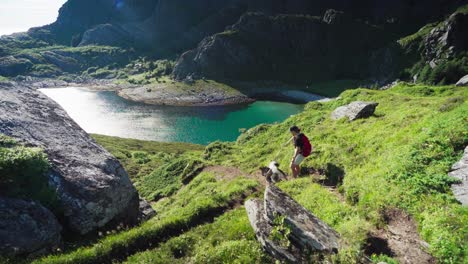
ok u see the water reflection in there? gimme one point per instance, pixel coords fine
(106, 113)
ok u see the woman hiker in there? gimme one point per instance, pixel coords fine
(302, 149)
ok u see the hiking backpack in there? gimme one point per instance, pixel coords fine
(307, 147)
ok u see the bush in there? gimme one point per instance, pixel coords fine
(446, 72)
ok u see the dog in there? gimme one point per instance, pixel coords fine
(273, 173)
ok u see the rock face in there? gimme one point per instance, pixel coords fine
(284, 47)
(27, 228)
(463, 81)
(446, 40)
(92, 185)
(460, 171)
(308, 234)
(355, 110)
(106, 34)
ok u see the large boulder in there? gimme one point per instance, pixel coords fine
(463, 81)
(27, 228)
(460, 172)
(92, 185)
(262, 227)
(307, 230)
(355, 110)
(308, 235)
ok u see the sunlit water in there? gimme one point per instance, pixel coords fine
(104, 112)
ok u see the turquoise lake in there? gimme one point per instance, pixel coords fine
(103, 112)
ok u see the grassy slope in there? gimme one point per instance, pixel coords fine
(201, 198)
(228, 240)
(142, 157)
(397, 158)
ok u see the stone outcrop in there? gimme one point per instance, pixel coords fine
(27, 228)
(11, 66)
(463, 81)
(91, 184)
(308, 235)
(146, 211)
(355, 110)
(444, 41)
(460, 172)
(288, 48)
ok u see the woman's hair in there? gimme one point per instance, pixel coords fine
(294, 129)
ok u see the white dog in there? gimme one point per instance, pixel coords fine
(273, 173)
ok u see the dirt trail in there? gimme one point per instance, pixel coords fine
(399, 240)
(229, 173)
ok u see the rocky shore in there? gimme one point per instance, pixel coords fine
(175, 93)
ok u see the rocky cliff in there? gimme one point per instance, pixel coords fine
(147, 22)
(286, 47)
(290, 41)
(92, 186)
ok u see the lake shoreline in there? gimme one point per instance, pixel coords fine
(106, 113)
(199, 93)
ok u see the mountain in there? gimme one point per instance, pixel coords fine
(295, 42)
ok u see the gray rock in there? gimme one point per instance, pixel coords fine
(27, 228)
(308, 236)
(334, 17)
(463, 81)
(447, 39)
(307, 231)
(256, 212)
(355, 110)
(146, 211)
(460, 171)
(92, 185)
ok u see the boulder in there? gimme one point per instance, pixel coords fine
(27, 228)
(92, 186)
(308, 235)
(146, 211)
(463, 81)
(307, 231)
(355, 110)
(262, 228)
(460, 171)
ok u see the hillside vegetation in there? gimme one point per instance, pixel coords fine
(398, 158)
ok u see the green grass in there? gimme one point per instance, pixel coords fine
(141, 158)
(157, 169)
(418, 36)
(398, 158)
(23, 173)
(229, 239)
(203, 197)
